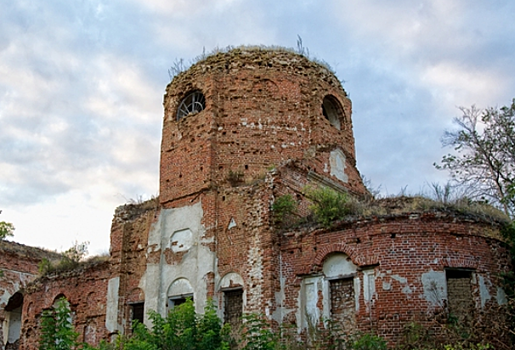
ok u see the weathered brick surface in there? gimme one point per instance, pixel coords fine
(86, 292)
(342, 303)
(401, 249)
(262, 108)
(19, 265)
(460, 297)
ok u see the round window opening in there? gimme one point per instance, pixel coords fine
(193, 103)
(332, 111)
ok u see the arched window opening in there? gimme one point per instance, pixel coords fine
(55, 322)
(332, 111)
(178, 292)
(340, 273)
(13, 319)
(193, 103)
(231, 286)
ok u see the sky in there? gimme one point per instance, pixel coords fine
(82, 84)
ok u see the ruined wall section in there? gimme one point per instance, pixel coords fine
(247, 246)
(187, 145)
(85, 290)
(181, 259)
(402, 264)
(19, 265)
(129, 245)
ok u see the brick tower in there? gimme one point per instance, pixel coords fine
(229, 120)
(241, 112)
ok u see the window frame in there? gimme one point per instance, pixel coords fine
(192, 103)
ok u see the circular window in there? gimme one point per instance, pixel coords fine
(193, 103)
(332, 111)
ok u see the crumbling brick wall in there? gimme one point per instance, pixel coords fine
(263, 107)
(19, 265)
(410, 256)
(84, 288)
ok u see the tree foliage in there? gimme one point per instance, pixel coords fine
(57, 331)
(182, 329)
(6, 229)
(283, 208)
(484, 157)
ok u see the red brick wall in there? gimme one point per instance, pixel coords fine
(400, 249)
(19, 264)
(263, 111)
(86, 292)
(262, 108)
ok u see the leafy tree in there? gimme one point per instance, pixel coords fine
(6, 229)
(484, 164)
(484, 157)
(56, 328)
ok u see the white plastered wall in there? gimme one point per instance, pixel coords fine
(336, 266)
(184, 225)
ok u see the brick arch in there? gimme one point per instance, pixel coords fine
(351, 251)
(460, 262)
(59, 296)
(90, 332)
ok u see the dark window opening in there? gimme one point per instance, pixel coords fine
(137, 312)
(178, 300)
(233, 306)
(195, 102)
(332, 111)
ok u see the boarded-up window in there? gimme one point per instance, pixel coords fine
(343, 309)
(459, 296)
(233, 306)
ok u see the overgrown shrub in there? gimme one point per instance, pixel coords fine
(369, 341)
(70, 259)
(256, 334)
(182, 329)
(283, 209)
(57, 331)
(509, 280)
(328, 205)
(235, 178)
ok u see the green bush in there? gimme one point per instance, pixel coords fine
(70, 259)
(369, 342)
(283, 208)
(256, 334)
(182, 329)
(57, 331)
(328, 205)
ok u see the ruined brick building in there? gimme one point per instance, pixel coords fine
(241, 129)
